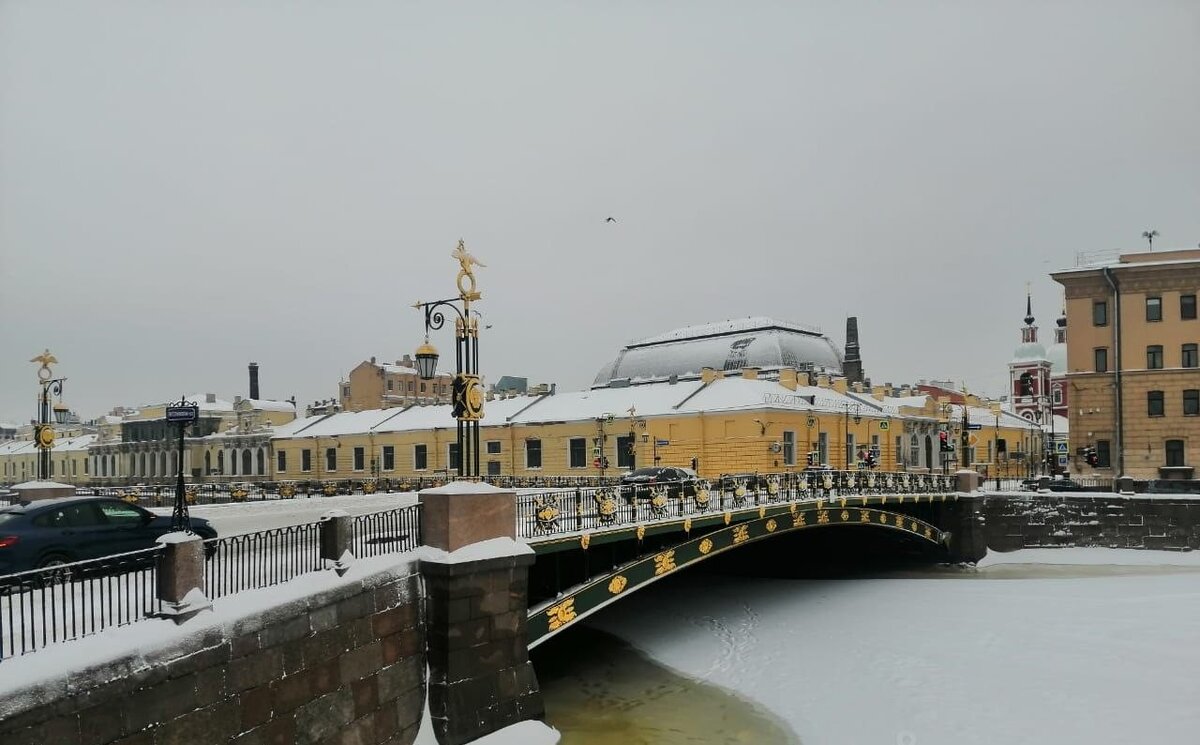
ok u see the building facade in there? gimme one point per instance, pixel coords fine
(382, 385)
(1132, 364)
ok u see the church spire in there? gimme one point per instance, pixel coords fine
(1029, 333)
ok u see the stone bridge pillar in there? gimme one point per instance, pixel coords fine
(476, 588)
(964, 519)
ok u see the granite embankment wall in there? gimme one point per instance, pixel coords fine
(1109, 520)
(343, 664)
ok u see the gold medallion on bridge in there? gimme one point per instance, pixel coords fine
(864, 516)
(585, 540)
(798, 520)
(728, 517)
(706, 545)
(823, 517)
(929, 533)
(641, 532)
(687, 525)
(562, 614)
(762, 512)
(912, 526)
(845, 515)
(792, 508)
(771, 525)
(664, 562)
(864, 501)
(617, 584)
(882, 518)
(899, 521)
(741, 533)
(842, 502)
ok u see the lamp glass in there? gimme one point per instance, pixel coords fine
(60, 414)
(427, 359)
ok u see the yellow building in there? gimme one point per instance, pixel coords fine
(1133, 368)
(739, 421)
(69, 462)
(382, 385)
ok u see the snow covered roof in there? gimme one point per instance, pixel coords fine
(66, 444)
(728, 345)
(263, 404)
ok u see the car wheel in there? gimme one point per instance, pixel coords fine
(57, 569)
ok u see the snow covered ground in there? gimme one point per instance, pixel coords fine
(941, 658)
(247, 517)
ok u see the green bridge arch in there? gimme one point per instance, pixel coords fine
(604, 590)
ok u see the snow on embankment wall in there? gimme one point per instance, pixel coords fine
(1103, 520)
(317, 658)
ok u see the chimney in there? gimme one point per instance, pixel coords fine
(841, 385)
(787, 378)
(254, 380)
(822, 381)
(750, 373)
(407, 361)
(880, 392)
(852, 366)
(708, 374)
(210, 398)
(857, 387)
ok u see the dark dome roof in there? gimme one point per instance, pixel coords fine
(727, 345)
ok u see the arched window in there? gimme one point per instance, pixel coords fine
(207, 462)
(162, 463)
(142, 465)
(233, 462)
(262, 462)
(247, 459)
(174, 467)
(220, 461)
(113, 465)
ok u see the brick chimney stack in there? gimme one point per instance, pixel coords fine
(254, 380)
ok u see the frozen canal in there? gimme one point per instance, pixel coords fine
(1059, 647)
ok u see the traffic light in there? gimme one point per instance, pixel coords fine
(1026, 384)
(944, 443)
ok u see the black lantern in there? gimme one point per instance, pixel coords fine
(427, 359)
(60, 414)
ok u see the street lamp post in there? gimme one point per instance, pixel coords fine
(846, 408)
(467, 394)
(181, 413)
(43, 431)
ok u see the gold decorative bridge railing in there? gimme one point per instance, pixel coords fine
(682, 523)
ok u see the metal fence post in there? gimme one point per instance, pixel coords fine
(337, 535)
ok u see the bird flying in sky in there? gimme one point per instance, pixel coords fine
(611, 219)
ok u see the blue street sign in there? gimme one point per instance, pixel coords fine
(974, 426)
(182, 413)
(662, 443)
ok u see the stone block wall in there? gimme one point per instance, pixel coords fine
(1111, 521)
(343, 665)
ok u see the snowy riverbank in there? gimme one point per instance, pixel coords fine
(1092, 658)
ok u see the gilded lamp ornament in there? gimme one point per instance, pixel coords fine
(467, 394)
(43, 431)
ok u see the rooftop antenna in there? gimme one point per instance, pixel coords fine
(1150, 235)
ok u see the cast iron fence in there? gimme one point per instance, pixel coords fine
(68, 601)
(569, 510)
(261, 559)
(393, 531)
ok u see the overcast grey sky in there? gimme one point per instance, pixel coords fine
(186, 187)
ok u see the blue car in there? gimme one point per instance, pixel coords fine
(51, 532)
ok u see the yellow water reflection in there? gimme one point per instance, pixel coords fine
(600, 691)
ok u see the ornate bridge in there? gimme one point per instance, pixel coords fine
(595, 546)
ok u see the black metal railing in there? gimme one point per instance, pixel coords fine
(267, 557)
(69, 601)
(569, 510)
(392, 531)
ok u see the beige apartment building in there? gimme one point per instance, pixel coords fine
(383, 385)
(1133, 369)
